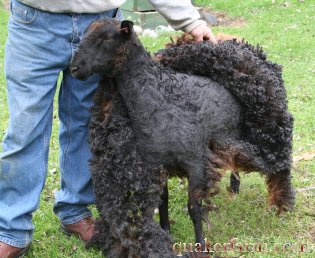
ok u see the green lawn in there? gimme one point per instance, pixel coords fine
(286, 30)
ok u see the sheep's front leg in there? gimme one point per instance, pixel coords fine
(163, 210)
(280, 190)
(202, 178)
(195, 213)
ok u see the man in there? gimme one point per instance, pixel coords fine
(42, 37)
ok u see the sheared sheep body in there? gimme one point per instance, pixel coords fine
(194, 110)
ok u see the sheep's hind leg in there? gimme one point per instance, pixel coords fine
(234, 182)
(280, 190)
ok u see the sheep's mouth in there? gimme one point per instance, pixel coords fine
(78, 74)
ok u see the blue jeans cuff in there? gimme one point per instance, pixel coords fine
(77, 218)
(19, 244)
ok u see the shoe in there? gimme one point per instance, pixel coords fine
(84, 229)
(9, 251)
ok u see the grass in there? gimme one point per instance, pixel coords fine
(286, 31)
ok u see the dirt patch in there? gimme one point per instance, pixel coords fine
(225, 20)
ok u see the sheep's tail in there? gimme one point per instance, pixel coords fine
(256, 83)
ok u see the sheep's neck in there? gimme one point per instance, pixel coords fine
(137, 80)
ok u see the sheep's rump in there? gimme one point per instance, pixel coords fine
(258, 86)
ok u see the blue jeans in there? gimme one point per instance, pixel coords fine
(39, 46)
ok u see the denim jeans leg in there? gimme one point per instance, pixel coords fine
(75, 100)
(36, 52)
(76, 192)
(39, 46)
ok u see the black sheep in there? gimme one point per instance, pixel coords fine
(190, 111)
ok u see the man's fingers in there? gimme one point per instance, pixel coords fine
(211, 38)
(198, 37)
(203, 32)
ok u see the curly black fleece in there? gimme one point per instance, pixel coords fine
(258, 86)
(127, 190)
(200, 108)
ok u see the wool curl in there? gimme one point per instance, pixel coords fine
(127, 190)
(256, 83)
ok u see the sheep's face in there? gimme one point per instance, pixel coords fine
(101, 49)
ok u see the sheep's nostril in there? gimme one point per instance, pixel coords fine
(74, 69)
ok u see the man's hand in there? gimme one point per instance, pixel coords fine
(203, 32)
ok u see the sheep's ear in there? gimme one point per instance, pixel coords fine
(126, 28)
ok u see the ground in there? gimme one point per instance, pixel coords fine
(286, 31)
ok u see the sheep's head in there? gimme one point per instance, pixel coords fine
(102, 49)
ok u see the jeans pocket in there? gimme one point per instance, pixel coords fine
(118, 15)
(22, 13)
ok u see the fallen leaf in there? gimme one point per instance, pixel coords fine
(53, 171)
(304, 156)
(285, 4)
(224, 37)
